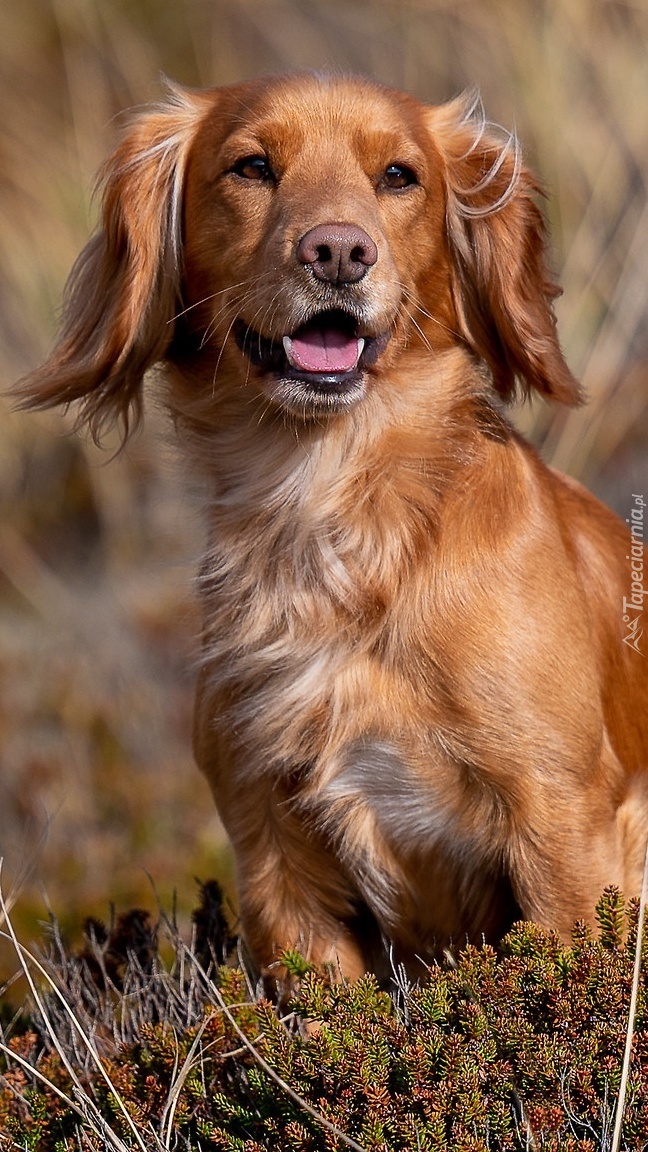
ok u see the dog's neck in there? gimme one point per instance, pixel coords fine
(256, 462)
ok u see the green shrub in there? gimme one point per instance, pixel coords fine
(516, 1050)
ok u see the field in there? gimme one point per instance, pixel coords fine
(99, 799)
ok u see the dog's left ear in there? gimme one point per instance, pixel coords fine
(496, 233)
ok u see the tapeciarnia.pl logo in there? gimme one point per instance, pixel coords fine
(634, 604)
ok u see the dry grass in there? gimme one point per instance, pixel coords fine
(96, 620)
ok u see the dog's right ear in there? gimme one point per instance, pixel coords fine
(123, 291)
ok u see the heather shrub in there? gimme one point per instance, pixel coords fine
(519, 1049)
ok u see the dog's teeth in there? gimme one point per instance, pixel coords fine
(287, 343)
(361, 345)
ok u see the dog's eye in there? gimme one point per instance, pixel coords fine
(397, 176)
(253, 168)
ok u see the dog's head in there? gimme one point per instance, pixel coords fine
(298, 235)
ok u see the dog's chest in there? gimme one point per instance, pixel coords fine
(292, 625)
(303, 589)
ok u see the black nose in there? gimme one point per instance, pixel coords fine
(337, 253)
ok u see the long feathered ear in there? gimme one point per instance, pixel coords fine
(503, 290)
(124, 288)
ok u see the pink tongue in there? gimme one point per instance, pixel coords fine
(324, 350)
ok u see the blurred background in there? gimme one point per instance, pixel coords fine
(99, 799)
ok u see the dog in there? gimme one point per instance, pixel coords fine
(415, 707)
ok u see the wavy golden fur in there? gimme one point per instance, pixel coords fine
(416, 710)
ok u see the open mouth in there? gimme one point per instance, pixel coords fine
(321, 364)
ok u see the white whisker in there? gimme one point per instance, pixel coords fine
(211, 296)
(418, 327)
(411, 298)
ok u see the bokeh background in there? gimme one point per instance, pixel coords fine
(99, 799)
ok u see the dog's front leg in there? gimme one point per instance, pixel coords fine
(561, 864)
(293, 893)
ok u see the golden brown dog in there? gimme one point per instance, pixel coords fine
(416, 708)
